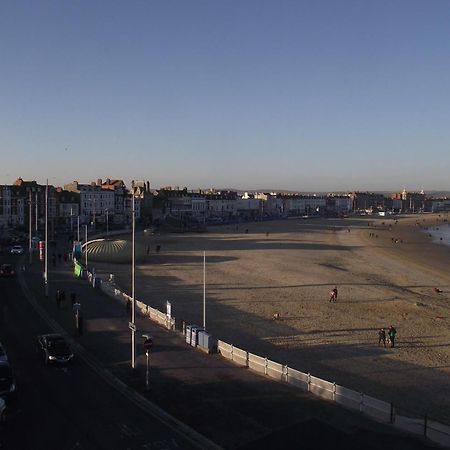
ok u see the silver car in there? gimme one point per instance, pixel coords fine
(17, 250)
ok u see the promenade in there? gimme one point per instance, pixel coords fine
(229, 405)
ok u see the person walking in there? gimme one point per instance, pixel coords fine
(79, 318)
(73, 298)
(62, 297)
(382, 337)
(333, 295)
(392, 334)
(58, 298)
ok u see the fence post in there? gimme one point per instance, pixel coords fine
(309, 382)
(334, 391)
(392, 413)
(265, 366)
(425, 425)
(361, 402)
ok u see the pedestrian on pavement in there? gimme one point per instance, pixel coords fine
(80, 322)
(392, 333)
(62, 297)
(382, 337)
(58, 298)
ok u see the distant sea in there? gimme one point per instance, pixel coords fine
(440, 231)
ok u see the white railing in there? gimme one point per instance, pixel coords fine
(377, 409)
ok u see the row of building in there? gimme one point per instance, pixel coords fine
(111, 202)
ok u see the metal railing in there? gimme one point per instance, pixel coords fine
(377, 409)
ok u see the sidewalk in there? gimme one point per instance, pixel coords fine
(230, 405)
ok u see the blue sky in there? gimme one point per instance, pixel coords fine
(301, 95)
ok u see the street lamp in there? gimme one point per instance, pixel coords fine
(133, 299)
(29, 231)
(148, 344)
(86, 246)
(46, 241)
(107, 223)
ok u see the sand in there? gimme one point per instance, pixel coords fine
(288, 268)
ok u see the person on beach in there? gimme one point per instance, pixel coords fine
(382, 337)
(392, 333)
(333, 295)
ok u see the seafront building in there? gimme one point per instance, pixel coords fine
(99, 203)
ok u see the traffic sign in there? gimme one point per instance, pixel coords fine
(148, 344)
(132, 326)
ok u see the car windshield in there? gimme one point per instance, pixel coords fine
(5, 372)
(58, 345)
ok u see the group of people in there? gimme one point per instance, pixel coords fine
(387, 338)
(384, 337)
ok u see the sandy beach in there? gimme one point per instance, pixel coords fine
(385, 270)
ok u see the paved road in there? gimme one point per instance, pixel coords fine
(67, 408)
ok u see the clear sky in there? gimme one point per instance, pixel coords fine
(303, 95)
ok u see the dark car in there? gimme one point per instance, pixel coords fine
(6, 271)
(53, 348)
(7, 381)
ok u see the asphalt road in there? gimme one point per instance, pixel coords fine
(70, 407)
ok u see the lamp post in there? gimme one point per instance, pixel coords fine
(29, 230)
(133, 299)
(46, 241)
(107, 224)
(148, 344)
(36, 215)
(85, 246)
(204, 290)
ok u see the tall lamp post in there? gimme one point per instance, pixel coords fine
(107, 224)
(46, 241)
(133, 299)
(204, 290)
(29, 230)
(86, 246)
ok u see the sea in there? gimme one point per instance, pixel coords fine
(440, 233)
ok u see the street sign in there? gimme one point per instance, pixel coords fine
(132, 326)
(148, 344)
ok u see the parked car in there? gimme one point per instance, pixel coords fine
(2, 411)
(6, 271)
(3, 355)
(53, 348)
(7, 381)
(17, 250)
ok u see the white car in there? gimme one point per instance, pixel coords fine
(17, 250)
